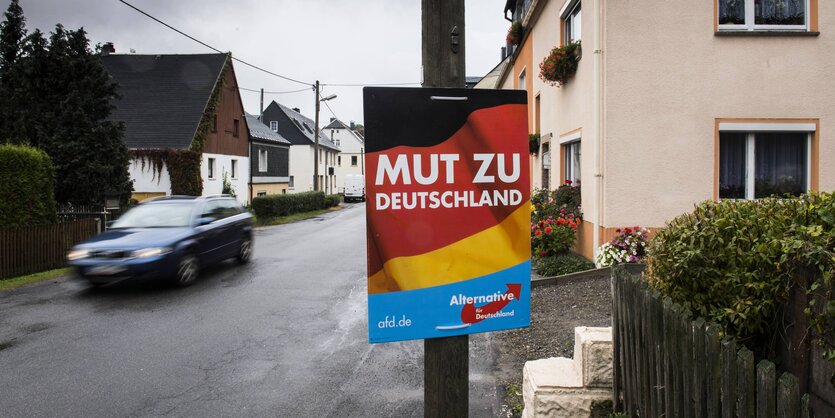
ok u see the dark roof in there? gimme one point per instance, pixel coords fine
(294, 126)
(336, 124)
(259, 131)
(163, 97)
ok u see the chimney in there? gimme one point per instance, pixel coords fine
(352, 125)
(107, 49)
(504, 53)
(296, 109)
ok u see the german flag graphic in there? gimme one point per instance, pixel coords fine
(448, 211)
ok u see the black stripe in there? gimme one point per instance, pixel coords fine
(396, 116)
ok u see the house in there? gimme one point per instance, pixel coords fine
(298, 129)
(269, 159)
(352, 145)
(184, 110)
(677, 102)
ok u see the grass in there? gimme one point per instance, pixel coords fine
(281, 220)
(16, 282)
(513, 399)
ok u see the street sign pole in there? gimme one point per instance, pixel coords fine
(446, 360)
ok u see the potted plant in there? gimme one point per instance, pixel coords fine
(561, 64)
(514, 34)
(533, 143)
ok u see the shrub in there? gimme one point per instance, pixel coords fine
(628, 246)
(27, 190)
(270, 206)
(553, 236)
(533, 143)
(567, 197)
(332, 200)
(563, 201)
(560, 65)
(734, 262)
(562, 264)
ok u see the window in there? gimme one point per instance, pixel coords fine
(214, 122)
(354, 161)
(339, 160)
(236, 126)
(234, 169)
(274, 125)
(571, 163)
(749, 15)
(262, 160)
(290, 182)
(211, 168)
(261, 193)
(522, 85)
(572, 24)
(336, 141)
(763, 163)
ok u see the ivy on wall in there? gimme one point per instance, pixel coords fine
(211, 107)
(183, 168)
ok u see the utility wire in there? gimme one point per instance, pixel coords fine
(211, 47)
(369, 84)
(274, 92)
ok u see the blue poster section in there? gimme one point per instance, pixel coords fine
(497, 301)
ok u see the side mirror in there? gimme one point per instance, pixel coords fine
(205, 220)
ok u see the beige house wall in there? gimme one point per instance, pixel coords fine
(270, 188)
(668, 78)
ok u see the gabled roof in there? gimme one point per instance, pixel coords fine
(259, 131)
(336, 124)
(300, 126)
(162, 97)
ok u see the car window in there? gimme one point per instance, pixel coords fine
(232, 207)
(164, 215)
(213, 209)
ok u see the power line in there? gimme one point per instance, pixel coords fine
(369, 84)
(209, 46)
(274, 92)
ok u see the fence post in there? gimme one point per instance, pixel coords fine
(788, 397)
(685, 356)
(669, 385)
(728, 378)
(616, 343)
(746, 383)
(766, 390)
(699, 369)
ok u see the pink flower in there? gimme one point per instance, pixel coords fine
(568, 182)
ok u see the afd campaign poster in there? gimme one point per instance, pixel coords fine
(448, 212)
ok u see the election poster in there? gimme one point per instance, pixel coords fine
(448, 212)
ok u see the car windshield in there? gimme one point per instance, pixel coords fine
(167, 215)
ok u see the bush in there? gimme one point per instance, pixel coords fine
(270, 206)
(563, 201)
(27, 189)
(551, 236)
(567, 197)
(734, 262)
(332, 200)
(628, 246)
(562, 264)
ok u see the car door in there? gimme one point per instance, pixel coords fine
(229, 228)
(209, 237)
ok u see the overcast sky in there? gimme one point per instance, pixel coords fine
(334, 41)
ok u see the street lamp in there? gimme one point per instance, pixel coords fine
(316, 137)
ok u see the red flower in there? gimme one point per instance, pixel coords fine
(617, 230)
(628, 230)
(543, 254)
(548, 230)
(568, 182)
(538, 232)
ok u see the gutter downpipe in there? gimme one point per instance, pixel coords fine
(598, 120)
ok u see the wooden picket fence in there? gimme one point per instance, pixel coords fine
(42, 247)
(669, 364)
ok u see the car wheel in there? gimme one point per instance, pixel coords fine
(245, 252)
(188, 268)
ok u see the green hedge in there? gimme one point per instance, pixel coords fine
(27, 191)
(562, 264)
(332, 200)
(270, 206)
(734, 261)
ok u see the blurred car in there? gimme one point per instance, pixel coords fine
(170, 237)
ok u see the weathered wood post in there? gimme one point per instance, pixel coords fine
(446, 360)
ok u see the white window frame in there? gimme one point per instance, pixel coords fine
(211, 168)
(750, 18)
(291, 182)
(570, 170)
(234, 165)
(523, 79)
(751, 129)
(274, 125)
(572, 15)
(263, 162)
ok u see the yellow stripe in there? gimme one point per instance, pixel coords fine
(494, 249)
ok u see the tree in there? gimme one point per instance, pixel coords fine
(58, 98)
(12, 32)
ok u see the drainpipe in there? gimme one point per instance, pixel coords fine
(598, 119)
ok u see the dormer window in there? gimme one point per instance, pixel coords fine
(274, 125)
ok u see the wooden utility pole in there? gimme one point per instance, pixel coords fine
(446, 363)
(316, 141)
(261, 113)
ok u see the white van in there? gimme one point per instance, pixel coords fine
(354, 187)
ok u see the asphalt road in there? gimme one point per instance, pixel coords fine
(283, 336)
